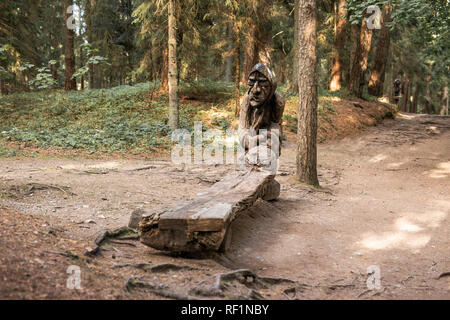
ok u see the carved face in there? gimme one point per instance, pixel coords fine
(259, 89)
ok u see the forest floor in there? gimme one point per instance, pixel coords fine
(383, 202)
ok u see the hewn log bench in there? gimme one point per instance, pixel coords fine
(203, 223)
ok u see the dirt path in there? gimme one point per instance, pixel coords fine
(385, 202)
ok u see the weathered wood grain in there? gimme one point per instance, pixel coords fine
(201, 224)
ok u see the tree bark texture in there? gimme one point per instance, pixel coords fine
(308, 100)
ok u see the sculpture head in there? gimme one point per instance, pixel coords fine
(261, 85)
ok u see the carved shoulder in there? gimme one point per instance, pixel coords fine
(278, 108)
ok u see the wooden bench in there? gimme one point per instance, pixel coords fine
(203, 224)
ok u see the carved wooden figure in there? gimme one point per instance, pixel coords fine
(204, 223)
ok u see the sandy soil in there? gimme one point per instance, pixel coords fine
(384, 202)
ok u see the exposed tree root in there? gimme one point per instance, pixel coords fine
(158, 289)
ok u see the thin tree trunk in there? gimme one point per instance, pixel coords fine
(229, 58)
(428, 96)
(173, 79)
(357, 81)
(308, 100)
(389, 78)
(354, 36)
(55, 71)
(445, 112)
(258, 38)
(165, 71)
(339, 44)
(377, 76)
(294, 79)
(237, 57)
(416, 97)
(250, 57)
(3, 89)
(264, 34)
(88, 18)
(70, 84)
(82, 63)
(404, 105)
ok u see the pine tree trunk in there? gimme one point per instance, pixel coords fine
(70, 84)
(354, 36)
(228, 74)
(237, 57)
(55, 72)
(357, 76)
(81, 64)
(250, 56)
(389, 78)
(445, 111)
(3, 89)
(258, 38)
(264, 34)
(405, 99)
(377, 76)
(295, 49)
(88, 18)
(308, 100)
(428, 96)
(339, 43)
(416, 97)
(173, 73)
(165, 71)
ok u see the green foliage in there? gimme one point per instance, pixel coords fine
(93, 60)
(43, 79)
(117, 119)
(6, 152)
(206, 90)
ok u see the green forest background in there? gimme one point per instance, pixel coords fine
(104, 84)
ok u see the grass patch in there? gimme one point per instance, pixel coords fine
(118, 119)
(6, 152)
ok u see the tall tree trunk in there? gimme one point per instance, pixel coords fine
(229, 55)
(389, 78)
(354, 36)
(3, 89)
(295, 49)
(88, 17)
(264, 33)
(405, 99)
(377, 76)
(258, 45)
(357, 76)
(308, 100)
(70, 84)
(416, 96)
(339, 47)
(250, 55)
(428, 103)
(173, 72)
(81, 64)
(55, 72)
(165, 71)
(237, 57)
(445, 108)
